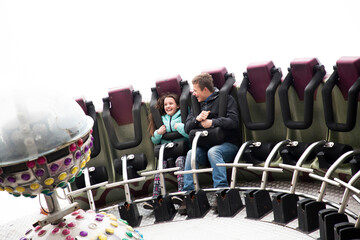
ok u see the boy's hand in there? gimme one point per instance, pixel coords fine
(207, 123)
(202, 116)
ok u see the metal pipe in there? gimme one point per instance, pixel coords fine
(236, 160)
(332, 168)
(193, 156)
(52, 203)
(88, 188)
(160, 167)
(348, 186)
(301, 160)
(89, 192)
(115, 184)
(268, 160)
(125, 177)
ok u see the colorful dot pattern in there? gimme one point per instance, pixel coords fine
(86, 227)
(38, 176)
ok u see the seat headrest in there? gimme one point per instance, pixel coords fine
(218, 76)
(259, 78)
(81, 102)
(302, 70)
(169, 85)
(121, 100)
(349, 72)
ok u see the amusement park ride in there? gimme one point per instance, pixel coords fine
(298, 130)
(45, 144)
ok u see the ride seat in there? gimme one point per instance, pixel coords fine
(257, 93)
(121, 109)
(99, 171)
(301, 107)
(224, 81)
(96, 174)
(180, 87)
(340, 97)
(89, 109)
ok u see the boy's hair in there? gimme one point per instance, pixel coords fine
(204, 80)
(160, 106)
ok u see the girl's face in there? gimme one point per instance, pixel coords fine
(170, 106)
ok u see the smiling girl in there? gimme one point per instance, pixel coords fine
(169, 108)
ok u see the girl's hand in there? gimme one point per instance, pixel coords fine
(176, 125)
(161, 130)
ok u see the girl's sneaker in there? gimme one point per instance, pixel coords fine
(148, 205)
(177, 200)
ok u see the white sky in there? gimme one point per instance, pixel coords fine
(86, 47)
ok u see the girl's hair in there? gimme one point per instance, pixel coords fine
(160, 106)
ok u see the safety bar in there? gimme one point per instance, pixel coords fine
(268, 160)
(193, 170)
(301, 160)
(160, 170)
(326, 179)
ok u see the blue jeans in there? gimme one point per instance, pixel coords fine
(223, 153)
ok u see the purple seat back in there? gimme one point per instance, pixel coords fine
(302, 70)
(259, 78)
(218, 76)
(82, 104)
(121, 100)
(349, 72)
(169, 85)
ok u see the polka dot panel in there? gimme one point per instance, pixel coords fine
(40, 176)
(61, 165)
(86, 227)
(17, 178)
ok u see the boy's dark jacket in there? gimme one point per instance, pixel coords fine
(229, 124)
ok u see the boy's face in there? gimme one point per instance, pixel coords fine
(201, 95)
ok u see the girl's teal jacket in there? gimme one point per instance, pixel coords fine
(169, 122)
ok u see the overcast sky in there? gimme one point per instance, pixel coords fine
(84, 48)
(87, 47)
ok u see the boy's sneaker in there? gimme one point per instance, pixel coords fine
(215, 207)
(148, 205)
(182, 208)
(176, 200)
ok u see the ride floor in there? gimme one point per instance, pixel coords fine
(211, 226)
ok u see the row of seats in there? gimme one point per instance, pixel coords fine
(305, 106)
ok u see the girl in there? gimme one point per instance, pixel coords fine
(169, 108)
